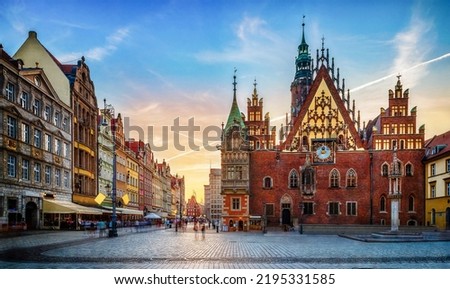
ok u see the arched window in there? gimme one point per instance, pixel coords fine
(305, 142)
(308, 181)
(409, 170)
(293, 179)
(384, 170)
(382, 204)
(267, 183)
(351, 178)
(411, 203)
(334, 178)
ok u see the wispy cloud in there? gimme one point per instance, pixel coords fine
(112, 42)
(14, 15)
(100, 52)
(412, 47)
(254, 42)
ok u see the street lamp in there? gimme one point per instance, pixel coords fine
(113, 230)
(265, 219)
(176, 222)
(300, 227)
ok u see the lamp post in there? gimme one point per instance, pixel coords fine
(113, 230)
(176, 222)
(300, 227)
(265, 219)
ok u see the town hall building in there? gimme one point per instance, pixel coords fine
(328, 167)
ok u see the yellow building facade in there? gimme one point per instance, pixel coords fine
(437, 176)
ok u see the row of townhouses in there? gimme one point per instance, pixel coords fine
(63, 154)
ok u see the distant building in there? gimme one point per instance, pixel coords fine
(213, 197)
(193, 208)
(437, 178)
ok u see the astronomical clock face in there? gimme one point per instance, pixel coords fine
(323, 152)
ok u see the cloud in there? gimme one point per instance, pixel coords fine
(100, 52)
(412, 48)
(253, 43)
(14, 14)
(112, 41)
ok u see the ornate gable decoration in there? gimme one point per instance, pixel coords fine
(323, 124)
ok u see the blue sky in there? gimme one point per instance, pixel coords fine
(157, 61)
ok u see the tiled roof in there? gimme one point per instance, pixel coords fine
(438, 145)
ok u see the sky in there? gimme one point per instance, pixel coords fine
(167, 66)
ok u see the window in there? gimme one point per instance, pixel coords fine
(235, 204)
(48, 142)
(25, 101)
(57, 146)
(293, 179)
(37, 172)
(433, 190)
(269, 209)
(37, 138)
(383, 204)
(65, 124)
(267, 183)
(384, 170)
(411, 204)
(308, 181)
(25, 170)
(66, 150)
(11, 166)
(447, 162)
(351, 208)
(48, 175)
(447, 188)
(25, 133)
(333, 208)
(238, 174)
(408, 170)
(47, 113)
(57, 119)
(308, 208)
(433, 169)
(351, 178)
(58, 177)
(334, 178)
(66, 179)
(230, 172)
(37, 107)
(10, 92)
(12, 127)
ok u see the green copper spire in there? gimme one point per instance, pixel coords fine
(235, 115)
(303, 60)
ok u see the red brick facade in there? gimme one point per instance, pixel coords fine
(328, 169)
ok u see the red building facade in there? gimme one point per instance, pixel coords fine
(328, 168)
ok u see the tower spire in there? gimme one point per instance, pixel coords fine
(235, 116)
(303, 31)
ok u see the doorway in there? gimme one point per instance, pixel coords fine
(286, 217)
(31, 213)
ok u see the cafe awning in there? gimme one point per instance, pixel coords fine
(64, 207)
(123, 211)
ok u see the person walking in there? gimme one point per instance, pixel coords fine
(196, 230)
(203, 231)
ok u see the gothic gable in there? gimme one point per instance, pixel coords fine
(323, 116)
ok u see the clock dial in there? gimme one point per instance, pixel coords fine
(323, 152)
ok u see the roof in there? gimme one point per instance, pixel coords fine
(437, 146)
